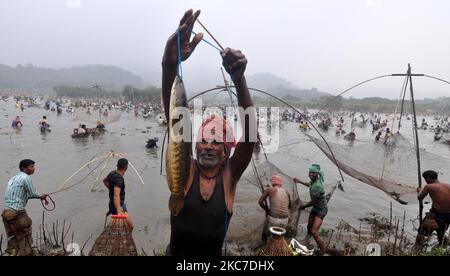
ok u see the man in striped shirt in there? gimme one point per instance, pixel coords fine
(17, 223)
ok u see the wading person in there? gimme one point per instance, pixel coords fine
(16, 123)
(199, 229)
(17, 223)
(44, 122)
(280, 203)
(318, 202)
(115, 183)
(438, 219)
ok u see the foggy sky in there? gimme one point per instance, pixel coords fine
(327, 44)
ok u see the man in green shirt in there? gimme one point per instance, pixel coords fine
(318, 202)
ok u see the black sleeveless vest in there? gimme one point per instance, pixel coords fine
(200, 227)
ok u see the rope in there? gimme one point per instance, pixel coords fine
(217, 42)
(101, 172)
(207, 42)
(87, 164)
(140, 178)
(44, 203)
(282, 101)
(78, 182)
(107, 158)
(318, 132)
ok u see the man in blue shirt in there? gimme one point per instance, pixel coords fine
(17, 223)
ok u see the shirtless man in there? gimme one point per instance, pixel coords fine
(280, 203)
(440, 209)
(44, 121)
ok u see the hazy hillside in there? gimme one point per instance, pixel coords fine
(283, 88)
(36, 78)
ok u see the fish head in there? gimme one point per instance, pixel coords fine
(178, 94)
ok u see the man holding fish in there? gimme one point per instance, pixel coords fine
(202, 189)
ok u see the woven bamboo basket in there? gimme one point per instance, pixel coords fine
(115, 240)
(276, 246)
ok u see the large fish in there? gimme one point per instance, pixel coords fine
(178, 155)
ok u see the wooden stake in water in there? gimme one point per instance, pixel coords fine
(403, 232)
(390, 224)
(359, 232)
(395, 239)
(329, 240)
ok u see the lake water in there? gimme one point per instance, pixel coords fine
(58, 156)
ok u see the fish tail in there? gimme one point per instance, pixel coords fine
(176, 203)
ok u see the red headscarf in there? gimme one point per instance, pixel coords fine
(277, 180)
(217, 128)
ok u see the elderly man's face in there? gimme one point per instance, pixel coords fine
(210, 153)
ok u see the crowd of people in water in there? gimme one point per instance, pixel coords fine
(203, 183)
(279, 198)
(344, 123)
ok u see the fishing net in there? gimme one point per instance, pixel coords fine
(249, 219)
(115, 240)
(391, 168)
(262, 177)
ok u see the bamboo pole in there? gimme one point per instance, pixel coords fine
(258, 179)
(416, 138)
(137, 173)
(210, 34)
(101, 172)
(82, 167)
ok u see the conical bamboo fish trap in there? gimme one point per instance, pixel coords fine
(115, 240)
(277, 246)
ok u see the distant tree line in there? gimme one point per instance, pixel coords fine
(149, 94)
(129, 93)
(36, 78)
(83, 92)
(373, 104)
